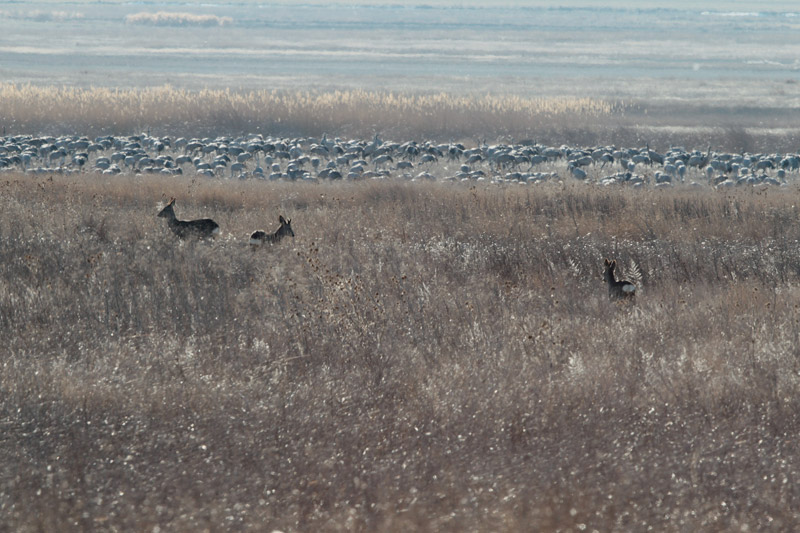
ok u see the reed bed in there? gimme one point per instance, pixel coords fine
(26, 108)
(427, 356)
(359, 113)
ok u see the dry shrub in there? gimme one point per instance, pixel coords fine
(421, 356)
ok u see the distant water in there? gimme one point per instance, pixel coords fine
(462, 46)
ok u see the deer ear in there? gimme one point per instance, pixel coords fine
(606, 262)
(281, 219)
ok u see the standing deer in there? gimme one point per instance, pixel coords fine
(201, 228)
(260, 237)
(617, 290)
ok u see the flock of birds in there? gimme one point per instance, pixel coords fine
(314, 159)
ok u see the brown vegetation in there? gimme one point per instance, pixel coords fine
(358, 113)
(54, 110)
(420, 357)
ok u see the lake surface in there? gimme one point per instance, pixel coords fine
(691, 50)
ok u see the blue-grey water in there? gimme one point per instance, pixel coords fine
(709, 50)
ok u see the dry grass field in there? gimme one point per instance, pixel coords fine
(356, 112)
(733, 125)
(428, 356)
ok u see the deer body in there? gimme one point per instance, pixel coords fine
(261, 237)
(201, 228)
(617, 290)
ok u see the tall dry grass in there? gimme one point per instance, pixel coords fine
(26, 108)
(63, 110)
(420, 357)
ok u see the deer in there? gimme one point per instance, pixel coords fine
(617, 289)
(200, 228)
(261, 237)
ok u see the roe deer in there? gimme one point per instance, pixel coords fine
(260, 237)
(617, 290)
(201, 228)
